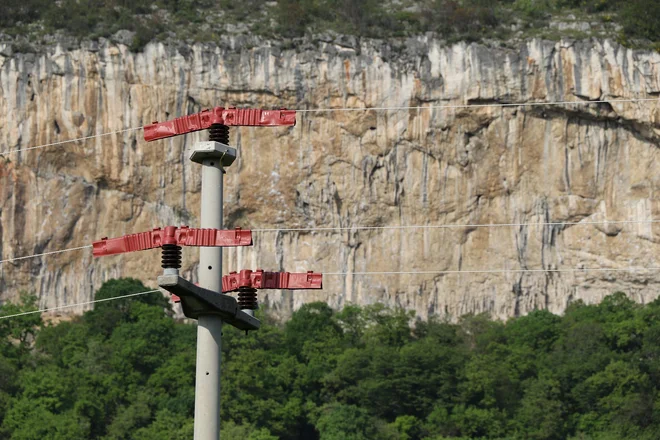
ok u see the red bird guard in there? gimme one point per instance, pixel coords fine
(246, 282)
(219, 116)
(259, 279)
(171, 235)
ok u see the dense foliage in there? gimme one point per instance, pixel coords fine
(126, 371)
(205, 20)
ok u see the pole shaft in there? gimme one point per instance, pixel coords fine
(209, 327)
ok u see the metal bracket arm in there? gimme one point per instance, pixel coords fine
(183, 236)
(219, 115)
(259, 279)
(197, 301)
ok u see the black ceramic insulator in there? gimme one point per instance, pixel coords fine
(219, 133)
(247, 298)
(171, 256)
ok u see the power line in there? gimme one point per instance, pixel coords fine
(464, 106)
(441, 272)
(353, 109)
(467, 225)
(71, 140)
(9, 260)
(447, 272)
(76, 305)
(448, 106)
(429, 272)
(360, 228)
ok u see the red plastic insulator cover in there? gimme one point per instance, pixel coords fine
(259, 279)
(183, 236)
(219, 115)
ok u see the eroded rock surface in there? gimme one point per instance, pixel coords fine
(442, 166)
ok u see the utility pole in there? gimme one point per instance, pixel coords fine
(208, 302)
(213, 156)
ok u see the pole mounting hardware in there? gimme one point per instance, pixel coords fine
(197, 301)
(224, 154)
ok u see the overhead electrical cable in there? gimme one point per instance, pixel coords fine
(448, 226)
(68, 306)
(361, 228)
(10, 260)
(429, 272)
(385, 108)
(484, 105)
(493, 271)
(85, 138)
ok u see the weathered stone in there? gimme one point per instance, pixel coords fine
(123, 37)
(442, 166)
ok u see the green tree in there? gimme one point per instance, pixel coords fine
(21, 329)
(107, 315)
(21, 11)
(345, 422)
(295, 16)
(541, 414)
(127, 370)
(169, 425)
(641, 19)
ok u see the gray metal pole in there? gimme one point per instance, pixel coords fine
(209, 327)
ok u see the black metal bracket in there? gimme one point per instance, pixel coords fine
(197, 301)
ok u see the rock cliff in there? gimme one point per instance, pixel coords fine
(441, 166)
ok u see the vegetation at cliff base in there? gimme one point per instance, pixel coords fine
(126, 371)
(632, 22)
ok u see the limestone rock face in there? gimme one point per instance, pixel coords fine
(526, 166)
